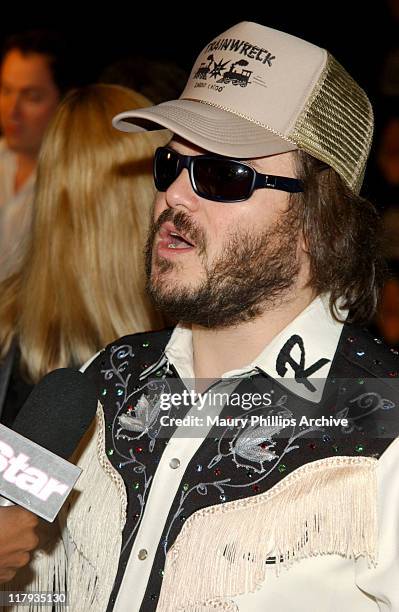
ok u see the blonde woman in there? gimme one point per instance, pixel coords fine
(80, 283)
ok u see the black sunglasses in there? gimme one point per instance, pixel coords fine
(215, 177)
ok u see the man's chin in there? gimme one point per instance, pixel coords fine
(16, 146)
(164, 271)
(13, 144)
(167, 286)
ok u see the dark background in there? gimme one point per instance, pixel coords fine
(359, 35)
(356, 33)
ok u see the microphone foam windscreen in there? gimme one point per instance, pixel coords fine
(58, 411)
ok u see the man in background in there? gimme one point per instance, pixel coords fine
(34, 76)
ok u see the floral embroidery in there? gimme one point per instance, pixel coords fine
(146, 414)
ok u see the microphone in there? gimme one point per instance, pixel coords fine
(34, 472)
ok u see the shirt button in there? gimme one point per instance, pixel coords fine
(174, 463)
(143, 554)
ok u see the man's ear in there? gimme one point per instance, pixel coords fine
(303, 244)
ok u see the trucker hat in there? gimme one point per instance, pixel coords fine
(255, 91)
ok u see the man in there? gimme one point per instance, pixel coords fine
(262, 248)
(34, 75)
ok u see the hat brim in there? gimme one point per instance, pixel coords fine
(208, 127)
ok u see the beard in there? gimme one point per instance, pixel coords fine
(253, 273)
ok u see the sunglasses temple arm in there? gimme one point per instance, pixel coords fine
(283, 183)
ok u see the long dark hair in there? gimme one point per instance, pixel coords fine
(342, 232)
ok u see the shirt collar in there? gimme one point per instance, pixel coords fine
(300, 356)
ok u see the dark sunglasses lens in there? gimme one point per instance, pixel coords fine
(223, 180)
(166, 164)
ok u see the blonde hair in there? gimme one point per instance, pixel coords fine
(81, 281)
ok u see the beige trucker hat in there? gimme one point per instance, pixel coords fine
(255, 91)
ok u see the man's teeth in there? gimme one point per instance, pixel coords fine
(177, 242)
(181, 245)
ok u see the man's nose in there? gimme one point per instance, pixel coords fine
(180, 193)
(14, 105)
